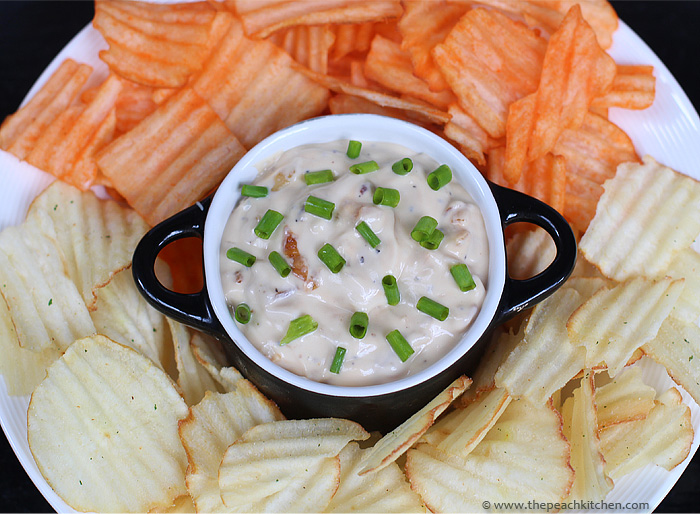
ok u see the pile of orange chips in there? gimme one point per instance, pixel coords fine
(522, 87)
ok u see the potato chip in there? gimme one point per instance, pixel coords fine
(308, 45)
(210, 355)
(625, 398)
(102, 428)
(634, 87)
(630, 234)
(686, 265)
(663, 438)
(192, 155)
(182, 504)
(529, 253)
(617, 320)
(581, 429)
(185, 259)
(524, 455)
(382, 491)
(473, 141)
(212, 426)
(262, 19)
(134, 103)
(351, 38)
(677, 348)
(395, 443)
(286, 466)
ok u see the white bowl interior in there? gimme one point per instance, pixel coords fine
(362, 127)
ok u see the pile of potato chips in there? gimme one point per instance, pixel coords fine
(131, 411)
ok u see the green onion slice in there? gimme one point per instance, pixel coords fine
(318, 177)
(433, 241)
(425, 226)
(432, 308)
(358, 325)
(399, 345)
(386, 196)
(354, 148)
(299, 327)
(253, 191)
(279, 264)
(242, 313)
(402, 167)
(366, 232)
(319, 207)
(268, 223)
(238, 255)
(463, 277)
(440, 177)
(338, 359)
(391, 290)
(364, 167)
(331, 258)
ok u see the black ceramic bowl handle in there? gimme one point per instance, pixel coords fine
(192, 309)
(521, 294)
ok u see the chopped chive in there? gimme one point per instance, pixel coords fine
(386, 196)
(279, 264)
(268, 223)
(318, 177)
(391, 290)
(402, 167)
(338, 359)
(319, 207)
(399, 345)
(440, 177)
(253, 191)
(425, 226)
(331, 258)
(364, 167)
(242, 313)
(433, 241)
(432, 308)
(299, 327)
(238, 255)
(354, 148)
(358, 325)
(366, 232)
(463, 277)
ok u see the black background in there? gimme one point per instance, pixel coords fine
(32, 33)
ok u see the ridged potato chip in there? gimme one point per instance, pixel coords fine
(634, 87)
(624, 398)
(686, 265)
(102, 428)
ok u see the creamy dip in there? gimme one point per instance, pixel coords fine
(331, 299)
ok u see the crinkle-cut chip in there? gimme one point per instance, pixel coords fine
(460, 431)
(625, 398)
(584, 269)
(617, 320)
(134, 103)
(268, 467)
(383, 491)
(677, 348)
(172, 158)
(193, 379)
(182, 504)
(22, 369)
(686, 265)
(490, 61)
(524, 455)
(210, 355)
(255, 88)
(474, 142)
(46, 308)
(308, 45)
(19, 132)
(424, 25)
(263, 18)
(663, 438)
(212, 426)
(122, 314)
(586, 286)
(102, 428)
(529, 253)
(351, 38)
(96, 238)
(395, 443)
(544, 360)
(631, 233)
(184, 257)
(581, 429)
(634, 87)
(388, 65)
(174, 49)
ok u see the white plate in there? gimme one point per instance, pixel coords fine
(669, 131)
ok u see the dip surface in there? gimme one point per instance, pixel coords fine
(331, 299)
